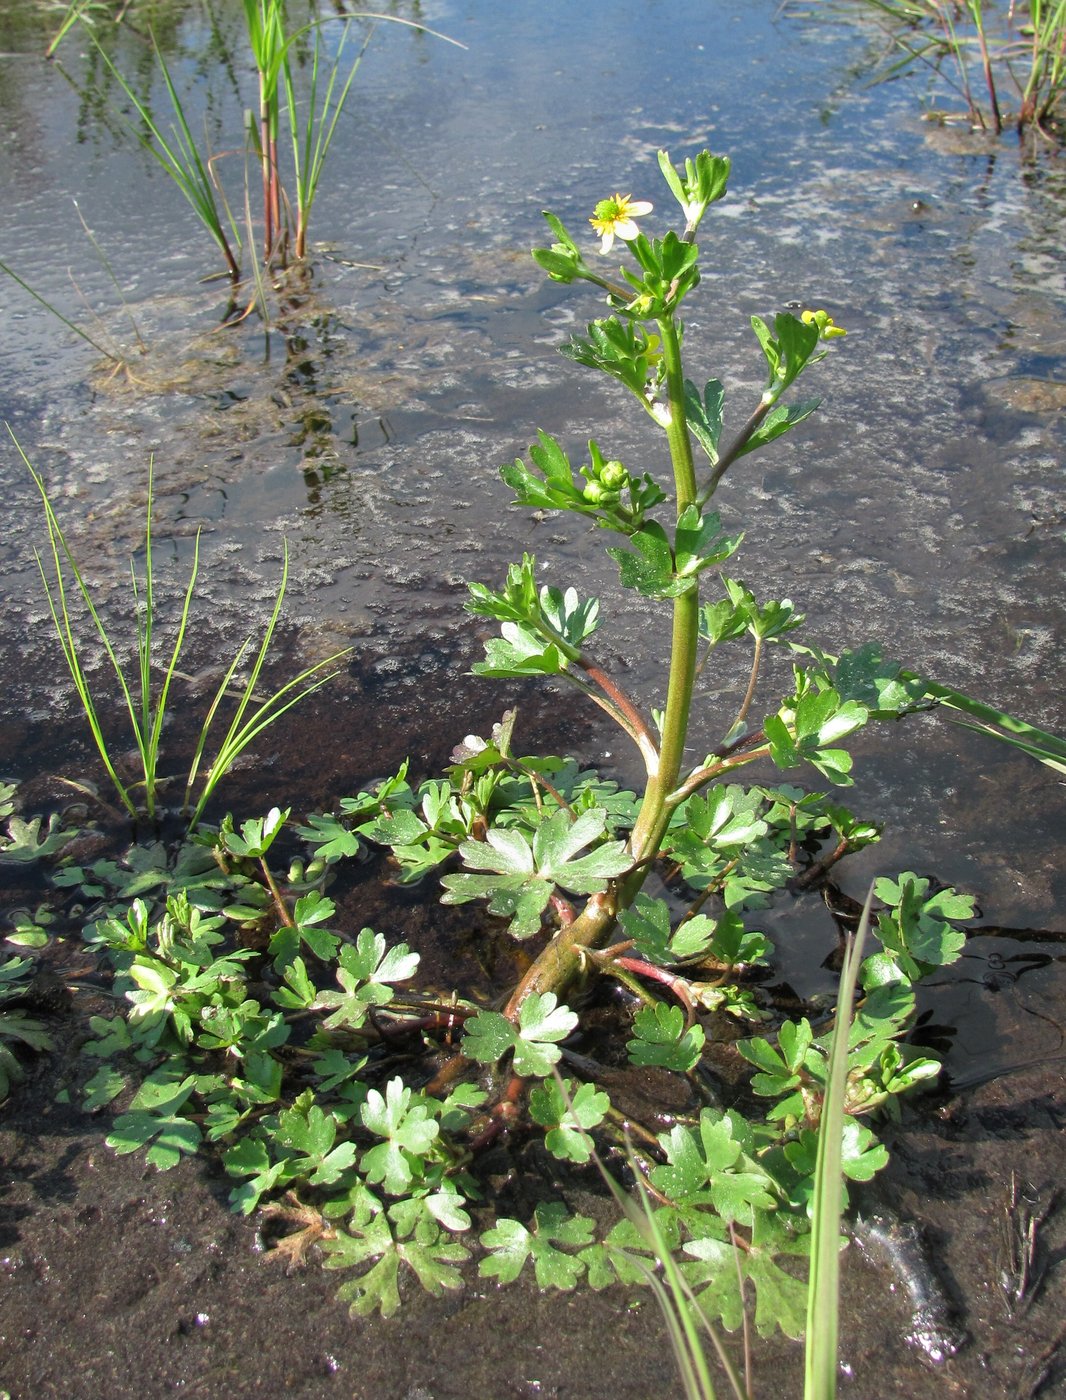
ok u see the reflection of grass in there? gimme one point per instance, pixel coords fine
(1023, 44)
(146, 702)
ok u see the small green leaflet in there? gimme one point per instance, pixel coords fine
(403, 1119)
(657, 571)
(567, 1114)
(660, 1038)
(712, 1164)
(511, 1244)
(780, 1297)
(310, 1133)
(257, 836)
(153, 1118)
(787, 353)
(363, 971)
(415, 1240)
(777, 422)
(24, 842)
(526, 873)
(817, 721)
(541, 1022)
(705, 415)
(249, 1157)
(917, 931)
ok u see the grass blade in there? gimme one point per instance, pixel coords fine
(179, 157)
(310, 146)
(1047, 748)
(823, 1290)
(56, 595)
(242, 731)
(108, 354)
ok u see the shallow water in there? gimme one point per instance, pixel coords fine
(922, 506)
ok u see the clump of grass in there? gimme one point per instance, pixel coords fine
(310, 125)
(145, 698)
(1019, 45)
(179, 155)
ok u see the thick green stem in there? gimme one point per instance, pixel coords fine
(684, 645)
(560, 964)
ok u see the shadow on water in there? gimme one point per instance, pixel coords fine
(365, 424)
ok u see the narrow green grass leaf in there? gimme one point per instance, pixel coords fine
(823, 1292)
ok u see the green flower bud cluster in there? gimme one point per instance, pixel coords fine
(827, 327)
(605, 481)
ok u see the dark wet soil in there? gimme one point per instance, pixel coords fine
(121, 1282)
(118, 1282)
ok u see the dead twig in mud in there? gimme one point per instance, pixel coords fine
(1026, 1262)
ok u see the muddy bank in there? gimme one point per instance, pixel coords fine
(122, 1283)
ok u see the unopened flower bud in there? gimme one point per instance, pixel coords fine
(827, 328)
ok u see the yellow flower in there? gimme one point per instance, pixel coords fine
(614, 219)
(827, 327)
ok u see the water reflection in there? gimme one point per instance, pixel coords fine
(366, 421)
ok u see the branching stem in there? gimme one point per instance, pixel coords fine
(734, 451)
(749, 694)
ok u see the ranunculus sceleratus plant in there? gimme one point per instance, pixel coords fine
(375, 1150)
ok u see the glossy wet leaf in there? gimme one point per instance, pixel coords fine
(918, 931)
(488, 1036)
(167, 1138)
(718, 1266)
(511, 1244)
(329, 837)
(256, 836)
(541, 1023)
(525, 872)
(310, 911)
(363, 972)
(711, 1164)
(404, 1121)
(567, 1114)
(660, 1038)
